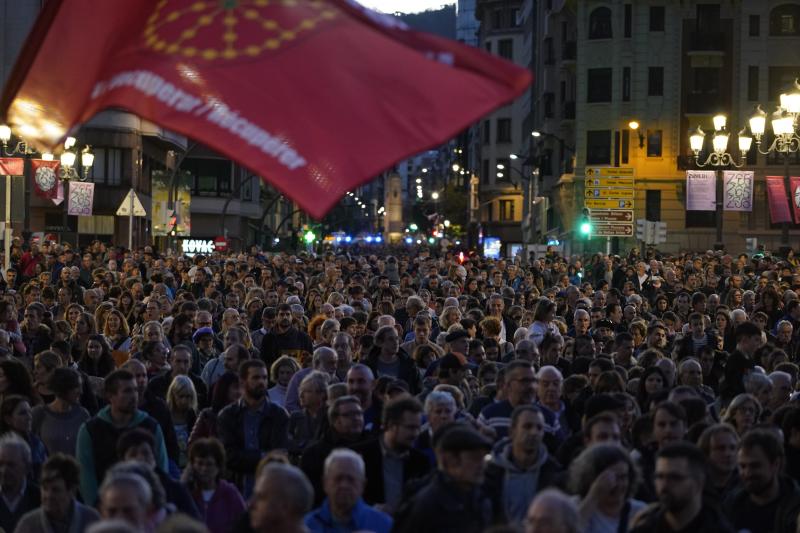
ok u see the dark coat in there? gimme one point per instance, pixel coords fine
(30, 501)
(407, 370)
(157, 408)
(709, 520)
(785, 514)
(273, 434)
(415, 465)
(439, 507)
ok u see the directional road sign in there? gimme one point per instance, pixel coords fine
(604, 203)
(612, 230)
(599, 216)
(625, 183)
(607, 192)
(609, 172)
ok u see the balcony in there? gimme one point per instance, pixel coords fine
(701, 41)
(569, 52)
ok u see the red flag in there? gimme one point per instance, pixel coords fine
(45, 178)
(317, 96)
(778, 203)
(12, 166)
(795, 198)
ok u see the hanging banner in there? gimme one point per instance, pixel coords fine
(778, 203)
(701, 191)
(81, 198)
(179, 218)
(45, 178)
(737, 190)
(12, 166)
(794, 186)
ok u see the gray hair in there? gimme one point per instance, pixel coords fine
(315, 379)
(783, 323)
(316, 359)
(116, 478)
(738, 313)
(329, 324)
(586, 468)
(13, 440)
(294, 484)
(780, 374)
(438, 398)
(364, 368)
(158, 497)
(562, 506)
(346, 454)
(738, 401)
(755, 381)
(346, 310)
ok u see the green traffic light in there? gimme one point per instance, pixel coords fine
(586, 228)
(309, 237)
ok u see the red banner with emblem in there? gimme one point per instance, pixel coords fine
(12, 166)
(45, 178)
(316, 96)
(794, 198)
(778, 203)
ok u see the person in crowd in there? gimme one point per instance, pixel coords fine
(126, 497)
(519, 386)
(323, 360)
(60, 509)
(226, 391)
(281, 500)
(552, 511)
(58, 422)
(15, 417)
(96, 445)
(20, 494)
(219, 501)
(344, 508)
(386, 359)
(280, 373)
(252, 426)
(182, 403)
(285, 339)
(306, 423)
(440, 410)
(180, 364)
(719, 443)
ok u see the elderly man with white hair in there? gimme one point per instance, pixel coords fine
(344, 509)
(128, 497)
(557, 424)
(324, 360)
(552, 511)
(782, 388)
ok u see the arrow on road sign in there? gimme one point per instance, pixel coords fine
(610, 216)
(612, 230)
(610, 182)
(601, 203)
(609, 172)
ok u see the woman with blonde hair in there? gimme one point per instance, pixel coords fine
(450, 315)
(182, 403)
(101, 313)
(118, 335)
(742, 413)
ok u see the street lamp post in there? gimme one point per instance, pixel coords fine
(785, 142)
(719, 158)
(21, 148)
(67, 172)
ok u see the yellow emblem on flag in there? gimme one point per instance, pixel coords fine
(230, 29)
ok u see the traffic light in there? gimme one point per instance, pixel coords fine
(585, 224)
(309, 237)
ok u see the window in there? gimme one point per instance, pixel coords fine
(506, 210)
(513, 17)
(784, 20)
(599, 86)
(626, 84)
(486, 133)
(655, 81)
(549, 105)
(503, 130)
(628, 24)
(752, 83)
(780, 79)
(708, 18)
(212, 177)
(497, 19)
(653, 143)
(488, 46)
(600, 23)
(755, 26)
(485, 171)
(598, 147)
(505, 49)
(657, 18)
(549, 56)
(653, 206)
(626, 145)
(107, 167)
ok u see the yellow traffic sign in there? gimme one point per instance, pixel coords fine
(610, 182)
(609, 172)
(604, 203)
(606, 192)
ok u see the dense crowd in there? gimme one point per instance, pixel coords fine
(384, 390)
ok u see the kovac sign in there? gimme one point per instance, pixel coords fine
(191, 247)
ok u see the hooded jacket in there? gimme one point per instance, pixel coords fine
(513, 488)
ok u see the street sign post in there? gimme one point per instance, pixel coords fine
(131, 207)
(605, 203)
(613, 230)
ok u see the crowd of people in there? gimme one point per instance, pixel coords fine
(398, 390)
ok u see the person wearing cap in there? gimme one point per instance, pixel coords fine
(521, 466)
(457, 341)
(453, 499)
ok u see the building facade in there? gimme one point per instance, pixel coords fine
(501, 180)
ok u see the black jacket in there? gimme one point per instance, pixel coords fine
(273, 434)
(709, 520)
(736, 504)
(157, 408)
(440, 507)
(415, 465)
(30, 501)
(159, 385)
(407, 370)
